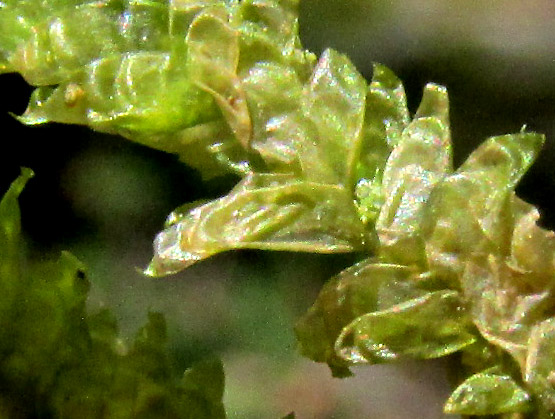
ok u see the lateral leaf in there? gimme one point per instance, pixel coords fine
(539, 372)
(487, 393)
(366, 287)
(419, 160)
(277, 212)
(455, 226)
(430, 326)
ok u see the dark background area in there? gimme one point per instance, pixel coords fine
(104, 198)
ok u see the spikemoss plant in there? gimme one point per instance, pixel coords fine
(452, 262)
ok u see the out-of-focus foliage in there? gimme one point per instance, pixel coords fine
(455, 262)
(58, 361)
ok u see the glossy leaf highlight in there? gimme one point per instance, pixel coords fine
(488, 394)
(277, 212)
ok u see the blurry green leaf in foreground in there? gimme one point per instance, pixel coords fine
(487, 394)
(56, 360)
(11, 253)
(276, 212)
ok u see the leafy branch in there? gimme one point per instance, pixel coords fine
(453, 261)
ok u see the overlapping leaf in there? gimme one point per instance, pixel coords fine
(328, 165)
(165, 74)
(456, 226)
(277, 212)
(364, 288)
(487, 393)
(377, 312)
(420, 158)
(386, 116)
(314, 129)
(213, 54)
(430, 326)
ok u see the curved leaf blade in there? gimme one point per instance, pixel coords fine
(275, 212)
(488, 394)
(212, 60)
(430, 326)
(539, 371)
(366, 287)
(455, 226)
(313, 130)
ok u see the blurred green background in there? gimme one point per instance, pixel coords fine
(104, 199)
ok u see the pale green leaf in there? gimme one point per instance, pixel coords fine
(487, 393)
(269, 34)
(385, 118)
(213, 57)
(274, 93)
(419, 160)
(137, 95)
(503, 306)
(430, 326)
(455, 226)
(387, 114)
(57, 42)
(400, 161)
(277, 212)
(532, 247)
(539, 372)
(312, 130)
(209, 147)
(367, 287)
(334, 102)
